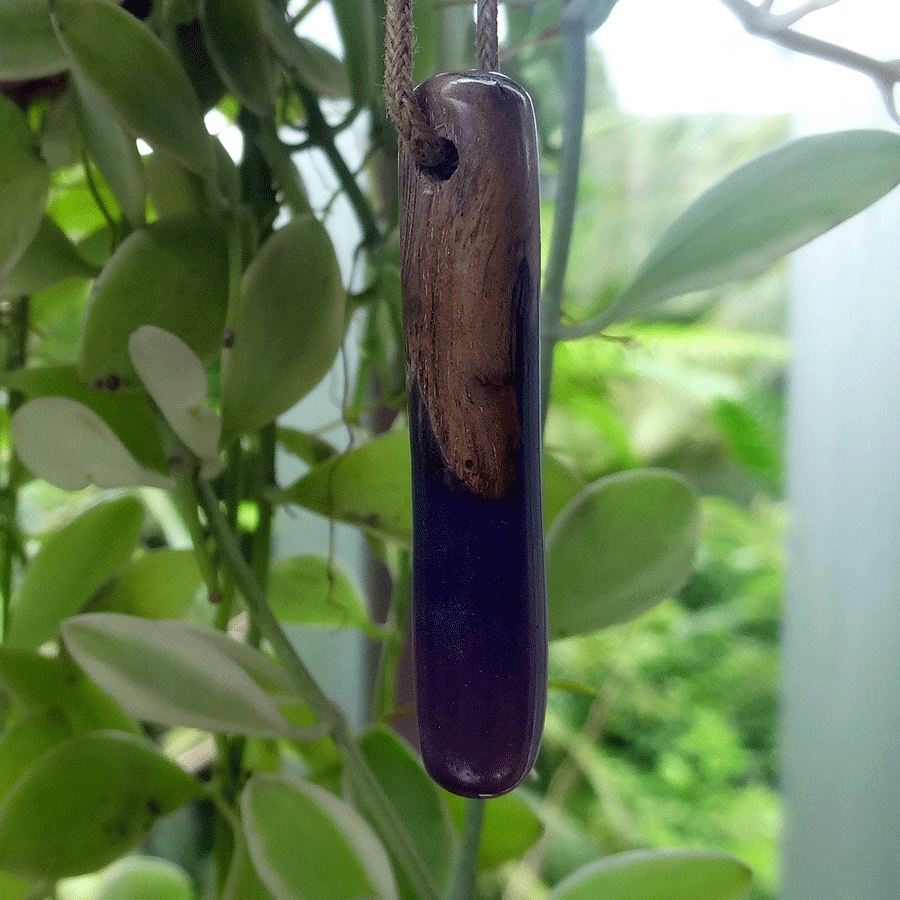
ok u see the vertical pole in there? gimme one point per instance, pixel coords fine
(841, 734)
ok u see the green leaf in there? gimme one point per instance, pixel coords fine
(560, 486)
(625, 543)
(658, 875)
(309, 447)
(510, 828)
(311, 590)
(147, 282)
(140, 79)
(24, 181)
(420, 804)
(49, 258)
(30, 48)
(68, 568)
(59, 138)
(322, 72)
(69, 445)
(306, 844)
(85, 803)
(234, 36)
(752, 441)
(13, 888)
(762, 211)
(157, 585)
(39, 683)
(356, 24)
(178, 673)
(113, 150)
(144, 878)
(28, 739)
(176, 380)
(129, 415)
(288, 326)
(174, 190)
(369, 487)
(243, 881)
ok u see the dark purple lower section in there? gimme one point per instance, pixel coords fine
(479, 607)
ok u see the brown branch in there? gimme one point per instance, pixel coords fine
(759, 20)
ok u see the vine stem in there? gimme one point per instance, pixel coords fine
(321, 135)
(462, 886)
(325, 711)
(575, 43)
(15, 317)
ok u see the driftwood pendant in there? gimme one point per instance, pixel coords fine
(470, 272)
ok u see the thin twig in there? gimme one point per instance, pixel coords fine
(321, 134)
(575, 42)
(800, 12)
(760, 20)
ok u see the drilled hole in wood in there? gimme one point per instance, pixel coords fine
(446, 166)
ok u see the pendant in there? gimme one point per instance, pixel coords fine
(470, 251)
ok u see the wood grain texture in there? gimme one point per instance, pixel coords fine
(468, 244)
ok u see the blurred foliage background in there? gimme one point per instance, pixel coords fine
(671, 740)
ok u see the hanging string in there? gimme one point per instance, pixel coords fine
(427, 147)
(486, 38)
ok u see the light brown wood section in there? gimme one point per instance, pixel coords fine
(465, 243)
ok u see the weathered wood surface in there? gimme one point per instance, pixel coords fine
(465, 242)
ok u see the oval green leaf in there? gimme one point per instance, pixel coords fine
(306, 844)
(175, 673)
(28, 739)
(128, 415)
(509, 829)
(369, 487)
(140, 79)
(40, 683)
(85, 803)
(113, 150)
(30, 47)
(322, 72)
(23, 186)
(158, 585)
(309, 447)
(762, 211)
(172, 274)
(144, 878)
(174, 190)
(67, 568)
(243, 881)
(311, 590)
(419, 803)
(658, 875)
(13, 888)
(49, 258)
(176, 379)
(288, 326)
(234, 36)
(622, 545)
(560, 486)
(69, 445)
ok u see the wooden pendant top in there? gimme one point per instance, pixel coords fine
(470, 247)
